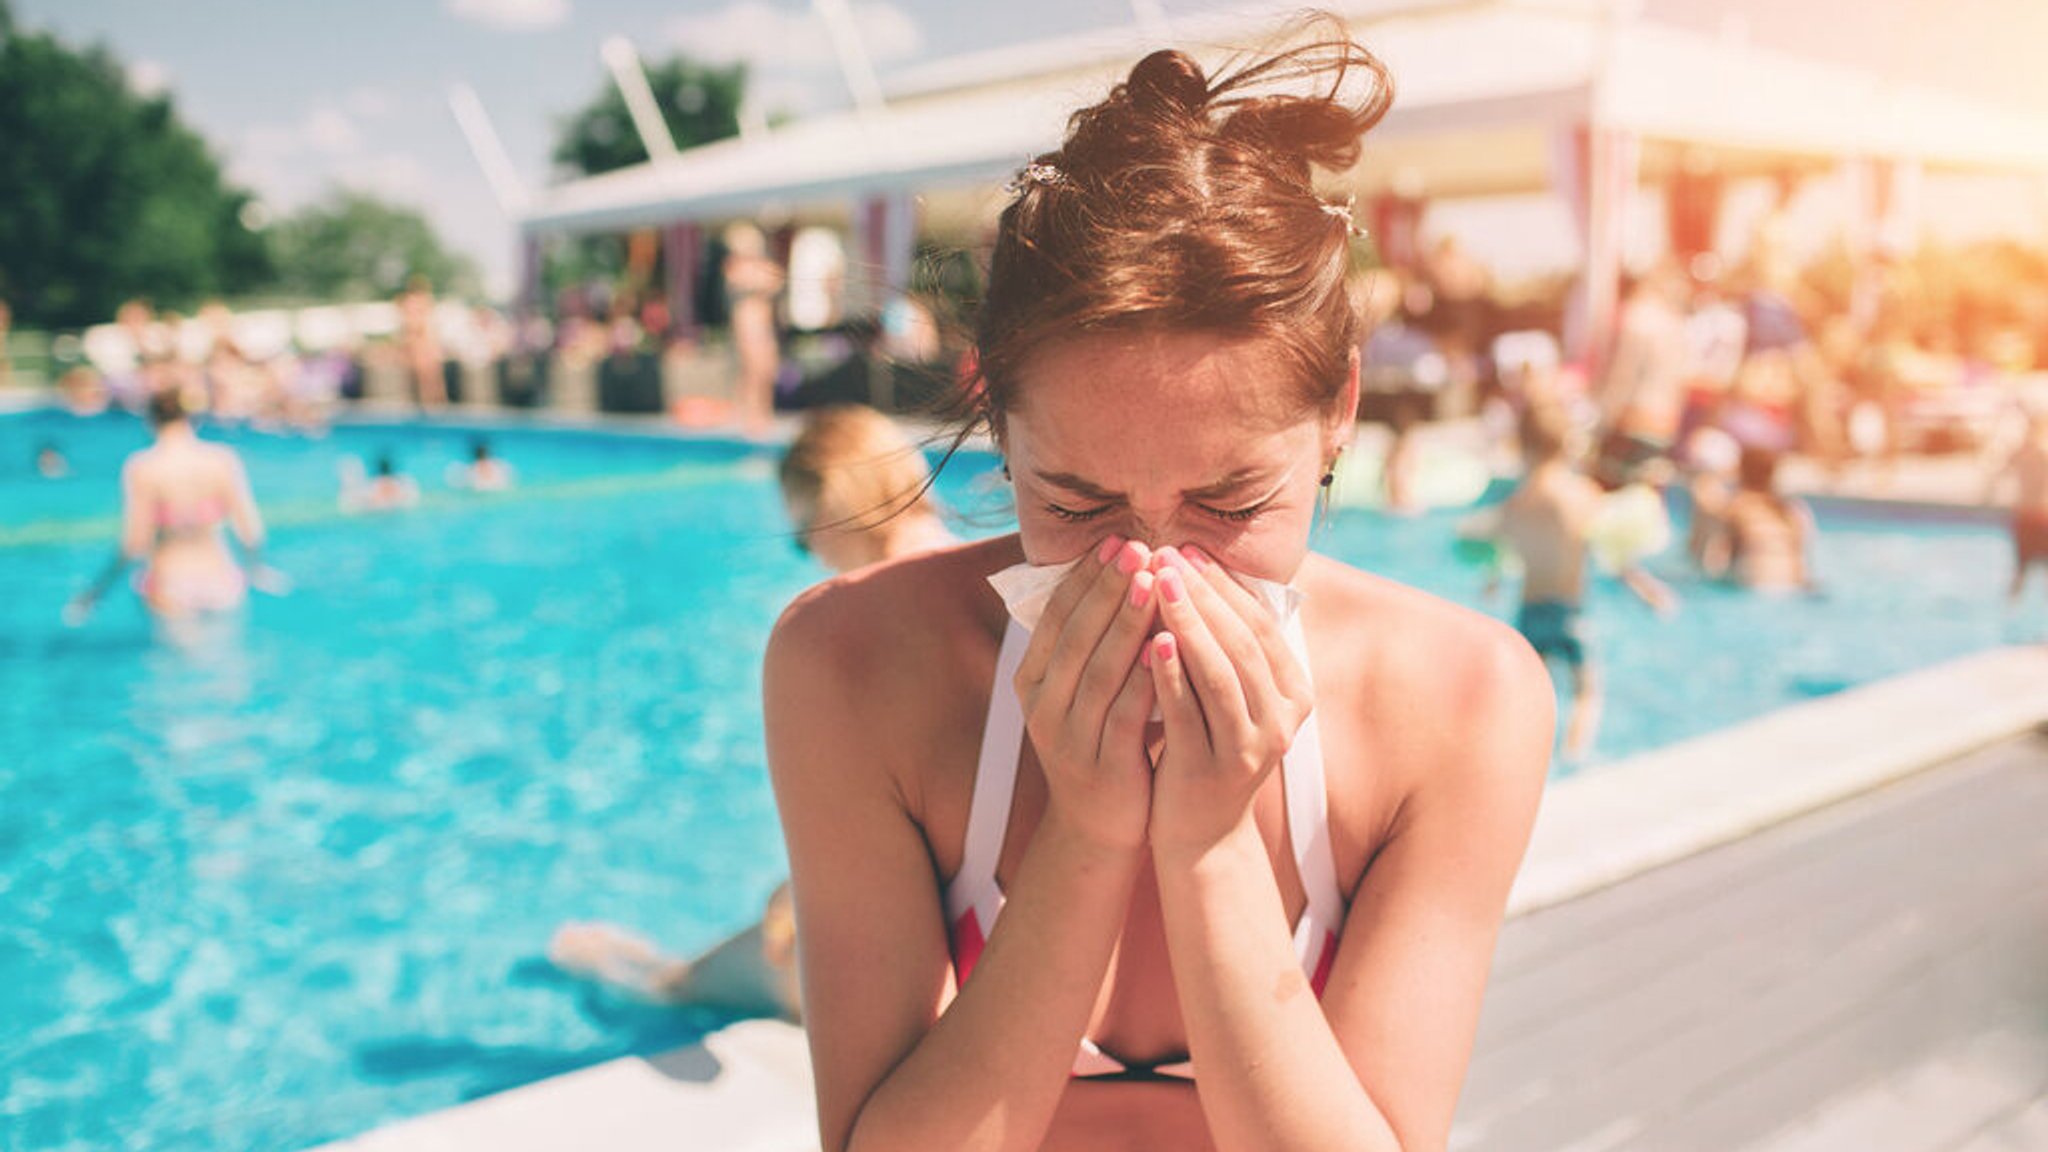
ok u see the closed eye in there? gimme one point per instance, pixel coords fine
(1075, 515)
(1237, 515)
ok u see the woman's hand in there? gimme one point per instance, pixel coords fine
(1232, 696)
(1086, 700)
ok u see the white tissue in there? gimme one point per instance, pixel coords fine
(1027, 588)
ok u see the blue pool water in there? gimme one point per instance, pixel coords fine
(295, 881)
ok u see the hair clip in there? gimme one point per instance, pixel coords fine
(1343, 212)
(1036, 172)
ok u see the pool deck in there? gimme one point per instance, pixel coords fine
(1828, 920)
(1874, 976)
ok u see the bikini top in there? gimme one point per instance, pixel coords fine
(191, 517)
(974, 900)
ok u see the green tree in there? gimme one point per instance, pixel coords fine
(352, 246)
(105, 194)
(701, 103)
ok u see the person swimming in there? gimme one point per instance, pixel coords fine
(178, 495)
(51, 463)
(1026, 910)
(485, 472)
(385, 489)
(1765, 539)
(857, 494)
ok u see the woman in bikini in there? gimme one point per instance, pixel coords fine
(1224, 813)
(176, 497)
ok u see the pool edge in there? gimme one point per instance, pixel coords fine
(1664, 805)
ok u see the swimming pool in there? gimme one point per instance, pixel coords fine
(296, 882)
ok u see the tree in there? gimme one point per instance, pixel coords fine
(701, 103)
(105, 194)
(352, 246)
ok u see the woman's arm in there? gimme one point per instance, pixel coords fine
(892, 1073)
(137, 535)
(242, 513)
(1377, 1064)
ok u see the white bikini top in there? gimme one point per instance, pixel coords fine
(974, 900)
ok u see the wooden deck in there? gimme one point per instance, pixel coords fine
(1871, 977)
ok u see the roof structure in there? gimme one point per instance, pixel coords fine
(1483, 85)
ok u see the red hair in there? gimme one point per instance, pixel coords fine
(1185, 203)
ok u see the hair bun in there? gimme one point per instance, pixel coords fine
(1168, 81)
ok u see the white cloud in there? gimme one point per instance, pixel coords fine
(511, 15)
(325, 131)
(794, 37)
(369, 103)
(391, 176)
(147, 78)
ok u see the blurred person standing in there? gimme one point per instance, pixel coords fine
(1641, 394)
(752, 281)
(2027, 468)
(177, 496)
(420, 343)
(1778, 329)
(1549, 522)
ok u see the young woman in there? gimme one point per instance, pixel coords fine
(177, 496)
(1028, 914)
(1765, 538)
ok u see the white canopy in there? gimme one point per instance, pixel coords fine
(1482, 88)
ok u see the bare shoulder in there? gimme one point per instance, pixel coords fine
(895, 612)
(1438, 680)
(877, 668)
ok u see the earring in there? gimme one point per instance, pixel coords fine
(1330, 469)
(1329, 478)
(1006, 472)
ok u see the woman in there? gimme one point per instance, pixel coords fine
(1023, 906)
(1765, 539)
(419, 344)
(857, 493)
(752, 280)
(176, 497)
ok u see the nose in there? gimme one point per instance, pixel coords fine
(1149, 530)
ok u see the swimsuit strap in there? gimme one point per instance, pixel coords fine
(1308, 832)
(995, 781)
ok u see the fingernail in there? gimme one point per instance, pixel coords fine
(1196, 556)
(1170, 586)
(1145, 656)
(1108, 549)
(1164, 648)
(1131, 558)
(1170, 555)
(1141, 589)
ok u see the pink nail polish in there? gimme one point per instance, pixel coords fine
(1196, 556)
(1131, 559)
(1145, 656)
(1107, 549)
(1141, 589)
(1170, 586)
(1165, 648)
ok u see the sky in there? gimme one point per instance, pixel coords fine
(298, 96)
